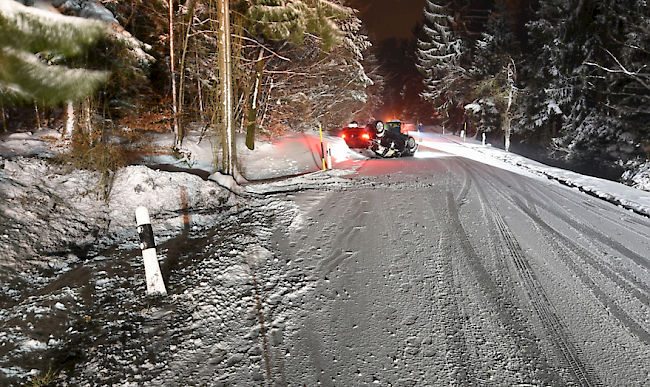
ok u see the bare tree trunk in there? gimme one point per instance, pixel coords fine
(507, 121)
(38, 117)
(266, 105)
(229, 151)
(86, 120)
(200, 91)
(172, 68)
(181, 70)
(252, 113)
(4, 121)
(69, 128)
(512, 72)
(507, 134)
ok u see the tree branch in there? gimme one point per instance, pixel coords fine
(634, 75)
(262, 46)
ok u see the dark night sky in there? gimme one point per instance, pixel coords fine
(389, 18)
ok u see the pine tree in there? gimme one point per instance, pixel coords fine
(620, 81)
(31, 42)
(585, 80)
(495, 70)
(315, 88)
(293, 19)
(547, 95)
(316, 76)
(440, 56)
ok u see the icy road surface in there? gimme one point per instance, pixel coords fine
(435, 270)
(441, 271)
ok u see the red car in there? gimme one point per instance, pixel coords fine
(357, 137)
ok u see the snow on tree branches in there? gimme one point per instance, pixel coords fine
(31, 42)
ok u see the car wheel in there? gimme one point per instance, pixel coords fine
(411, 146)
(379, 127)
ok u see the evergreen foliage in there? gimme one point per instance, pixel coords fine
(313, 71)
(582, 81)
(592, 95)
(313, 89)
(440, 53)
(292, 19)
(32, 41)
(494, 70)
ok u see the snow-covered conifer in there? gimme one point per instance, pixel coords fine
(585, 79)
(31, 42)
(292, 19)
(316, 88)
(439, 56)
(495, 71)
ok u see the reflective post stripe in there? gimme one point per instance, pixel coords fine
(155, 283)
(322, 150)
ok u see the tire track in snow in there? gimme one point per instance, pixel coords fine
(553, 237)
(590, 231)
(557, 332)
(458, 354)
(603, 210)
(624, 280)
(595, 234)
(457, 364)
(507, 312)
(501, 303)
(467, 183)
(545, 310)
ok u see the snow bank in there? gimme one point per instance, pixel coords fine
(45, 208)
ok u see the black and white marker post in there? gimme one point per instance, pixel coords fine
(155, 283)
(329, 157)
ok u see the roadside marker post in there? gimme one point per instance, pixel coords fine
(322, 149)
(329, 156)
(464, 131)
(483, 135)
(155, 283)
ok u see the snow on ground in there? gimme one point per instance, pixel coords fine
(45, 208)
(71, 271)
(300, 154)
(636, 199)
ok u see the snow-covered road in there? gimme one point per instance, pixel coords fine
(434, 270)
(439, 270)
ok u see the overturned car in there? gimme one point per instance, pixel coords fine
(385, 140)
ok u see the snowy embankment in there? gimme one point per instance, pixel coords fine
(46, 208)
(70, 265)
(636, 198)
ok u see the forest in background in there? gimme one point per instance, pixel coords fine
(564, 79)
(295, 65)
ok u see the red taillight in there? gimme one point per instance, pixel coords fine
(365, 136)
(343, 135)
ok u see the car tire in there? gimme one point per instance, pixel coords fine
(411, 146)
(380, 128)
